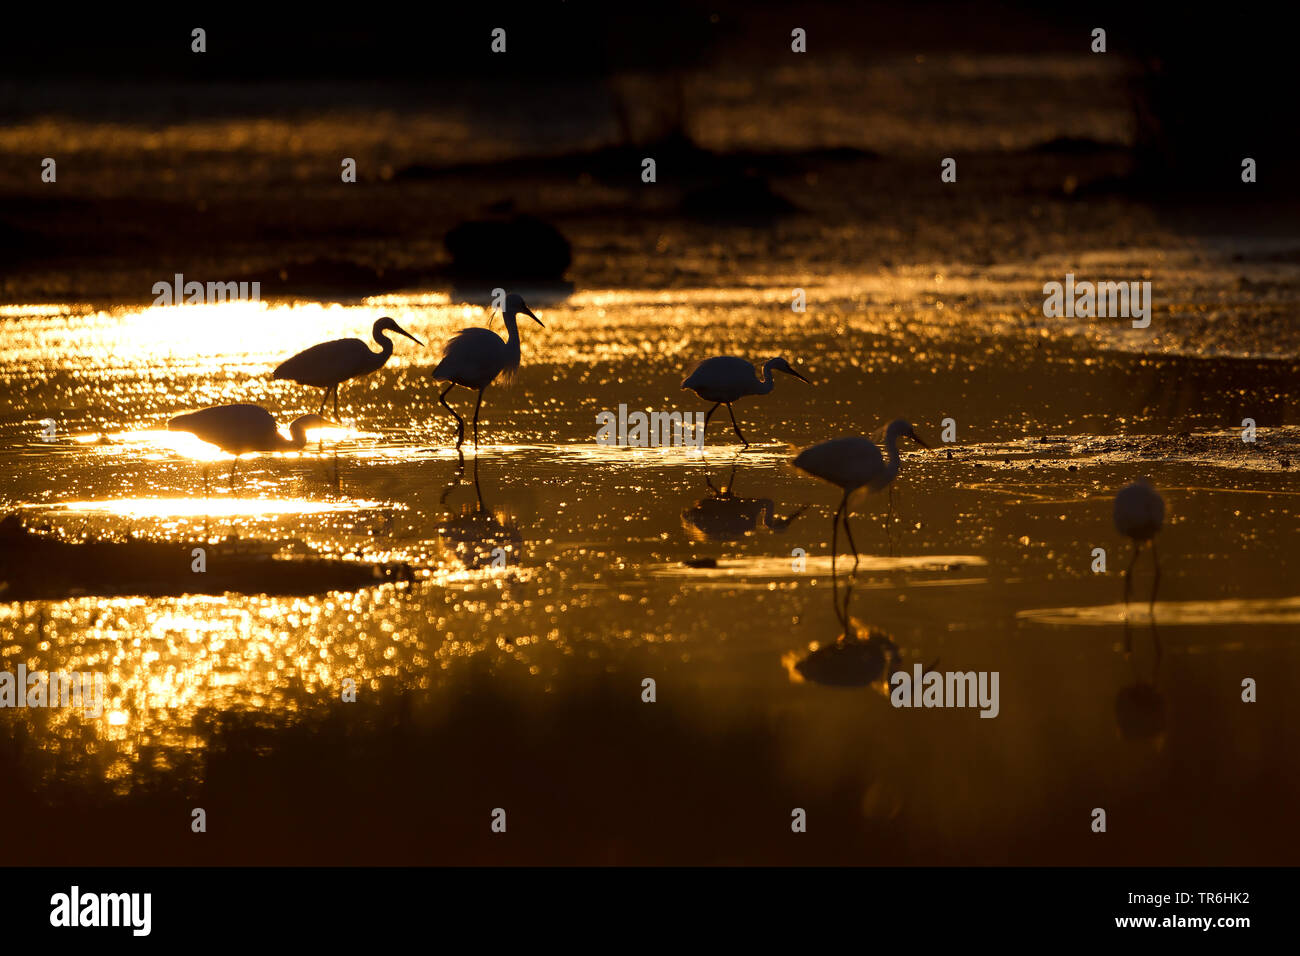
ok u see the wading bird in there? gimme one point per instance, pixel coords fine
(725, 378)
(243, 428)
(329, 364)
(474, 358)
(1139, 514)
(853, 463)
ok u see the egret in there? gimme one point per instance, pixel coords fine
(243, 428)
(853, 463)
(329, 364)
(474, 358)
(725, 378)
(1139, 514)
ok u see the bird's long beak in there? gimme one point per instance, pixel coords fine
(529, 312)
(410, 336)
(920, 441)
(798, 376)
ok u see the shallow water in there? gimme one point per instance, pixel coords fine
(619, 564)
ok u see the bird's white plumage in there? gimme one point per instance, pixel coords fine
(475, 357)
(1139, 511)
(849, 462)
(724, 378)
(329, 363)
(241, 428)
(855, 462)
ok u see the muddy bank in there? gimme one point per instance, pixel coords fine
(39, 567)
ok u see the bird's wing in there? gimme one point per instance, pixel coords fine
(228, 425)
(473, 356)
(328, 363)
(721, 371)
(851, 460)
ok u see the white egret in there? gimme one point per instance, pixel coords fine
(329, 364)
(474, 358)
(853, 463)
(1139, 514)
(725, 378)
(244, 428)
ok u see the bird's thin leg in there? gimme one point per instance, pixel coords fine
(889, 522)
(735, 426)
(835, 602)
(1128, 575)
(835, 530)
(324, 397)
(460, 422)
(336, 401)
(233, 465)
(848, 596)
(477, 405)
(1155, 585)
(707, 416)
(849, 532)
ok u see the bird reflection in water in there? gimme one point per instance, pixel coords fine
(477, 537)
(1140, 707)
(722, 516)
(860, 656)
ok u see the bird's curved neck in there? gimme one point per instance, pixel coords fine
(512, 330)
(385, 343)
(767, 384)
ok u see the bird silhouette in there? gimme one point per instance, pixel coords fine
(725, 378)
(242, 428)
(475, 357)
(1139, 514)
(329, 364)
(853, 463)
